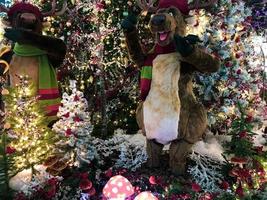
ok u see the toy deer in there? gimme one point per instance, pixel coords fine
(34, 54)
(168, 112)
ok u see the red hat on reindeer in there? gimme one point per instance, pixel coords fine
(182, 5)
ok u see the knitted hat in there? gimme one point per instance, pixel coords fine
(24, 7)
(182, 5)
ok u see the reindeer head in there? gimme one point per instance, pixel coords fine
(169, 17)
(28, 16)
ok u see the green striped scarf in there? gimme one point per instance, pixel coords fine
(48, 93)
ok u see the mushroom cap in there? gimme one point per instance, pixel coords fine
(239, 160)
(118, 187)
(145, 196)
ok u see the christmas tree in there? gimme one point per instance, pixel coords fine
(246, 159)
(26, 140)
(74, 124)
(97, 59)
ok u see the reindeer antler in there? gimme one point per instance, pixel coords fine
(63, 9)
(53, 9)
(3, 8)
(147, 6)
(198, 5)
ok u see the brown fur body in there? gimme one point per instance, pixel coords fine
(192, 115)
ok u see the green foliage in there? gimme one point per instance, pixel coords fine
(241, 144)
(7, 168)
(28, 141)
(226, 196)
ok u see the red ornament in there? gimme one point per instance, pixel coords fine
(237, 40)
(224, 185)
(83, 175)
(91, 192)
(85, 184)
(206, 196)
(100, 6)
(52, 181)
(51, 192)
(239, 191)
(67, 115)
(259, 149)
(238, 55)
(68, 132)
(238, 71)
(77, 119)
(228, 64)
(249, 119)
(109, 173)
(76, 98)
(243, 134)
(10, 150)
(196, 187)
(152, 180)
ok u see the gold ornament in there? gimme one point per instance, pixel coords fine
(5, 92)
(7, 126)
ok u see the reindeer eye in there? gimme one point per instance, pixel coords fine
(171, 14)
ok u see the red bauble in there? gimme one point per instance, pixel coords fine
(196, 187)
(152, 180)
(10, 150)
(239, 191)
(68, 132)
(85, 184)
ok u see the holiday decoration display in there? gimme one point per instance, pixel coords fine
(75, 125)
(246, 158)
(168, 111)
(240, 77)
(145, 195)
(90, 147)
(206, 172)
(26, 140)
(98, 61)
(34, 55)
(118, 188)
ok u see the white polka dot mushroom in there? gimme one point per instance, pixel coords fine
(118, 188)
(145, 196)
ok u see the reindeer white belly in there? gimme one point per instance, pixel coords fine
(162, 105)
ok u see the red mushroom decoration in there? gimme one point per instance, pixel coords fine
(118, 188)
(239, 161)
(145, 196)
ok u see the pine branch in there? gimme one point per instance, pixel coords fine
(4, 169)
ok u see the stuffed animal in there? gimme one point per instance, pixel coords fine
(34, 54)
(168, 112)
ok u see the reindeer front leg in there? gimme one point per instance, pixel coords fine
(136, 54)
(202, 61)
(132, 40)
(55, 48)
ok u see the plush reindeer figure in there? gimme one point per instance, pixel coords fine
(34, 54)
(169, 112)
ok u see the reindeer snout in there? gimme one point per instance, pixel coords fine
(158, 20)
(28, 18)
